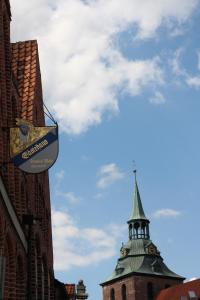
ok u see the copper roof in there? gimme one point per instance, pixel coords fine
(136, 258)
(24, 67)
(180, 291)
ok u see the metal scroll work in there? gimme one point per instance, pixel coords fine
(33, 149)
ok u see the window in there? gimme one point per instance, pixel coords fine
(112, 294)
(123, 291)
(149, 291)
(136, 228)
(130, 231)
(192, 295)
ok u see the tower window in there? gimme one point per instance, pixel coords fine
(130, 231)
(150, 291)
(136, 227)
(112, 294)
(123, 291)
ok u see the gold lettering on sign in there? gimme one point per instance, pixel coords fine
(33, 150)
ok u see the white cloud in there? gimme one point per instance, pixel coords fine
(177, 32)
(82, 69)
(194, 81)
(75, 246)
(158, 98)
(176, 63)
(60, 174)
(166, 213)
(178, 70)
(109, 174)
(69, 196)
(59, 177)
(58, 190)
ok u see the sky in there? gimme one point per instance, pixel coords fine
(123, 82)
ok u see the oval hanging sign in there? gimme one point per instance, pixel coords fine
(33, 149)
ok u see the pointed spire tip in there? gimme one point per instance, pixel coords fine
(135, 172)
(137, 209)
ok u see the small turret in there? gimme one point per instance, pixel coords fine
(81, 291)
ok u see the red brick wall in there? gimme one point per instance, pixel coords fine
(136, 287)
(33, 272)
(12, 249)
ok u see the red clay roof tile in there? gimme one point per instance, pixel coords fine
(24, 68)
(175, 292)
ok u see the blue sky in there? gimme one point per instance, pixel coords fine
(123, 82)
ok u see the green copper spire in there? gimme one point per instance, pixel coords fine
(139, 256)
(137, 210)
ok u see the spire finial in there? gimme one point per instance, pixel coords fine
(135, 174)
(134, 169)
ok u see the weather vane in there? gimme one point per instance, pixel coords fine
(134, 167)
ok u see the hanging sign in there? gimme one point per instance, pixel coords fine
(33, 149)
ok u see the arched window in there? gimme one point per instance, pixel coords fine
(130, 231)
(143, 230)
(123, 291)
(136, 228)
(112, 294)
(150, 291)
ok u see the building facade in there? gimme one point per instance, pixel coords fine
(76, 291)
(26, 255)
(140, 272)
(186, 291)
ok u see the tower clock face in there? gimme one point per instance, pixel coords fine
(123, 251)
(152, 249)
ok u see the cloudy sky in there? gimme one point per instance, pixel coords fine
(123, 81)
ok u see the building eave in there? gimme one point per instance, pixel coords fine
(140, 274)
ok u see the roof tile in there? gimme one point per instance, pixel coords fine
(24, 67)
(181, 290)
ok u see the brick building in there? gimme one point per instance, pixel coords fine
(187, 291)
(26, 256)
(76, 291)
(140, 273)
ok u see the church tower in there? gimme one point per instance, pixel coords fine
(140, 272)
